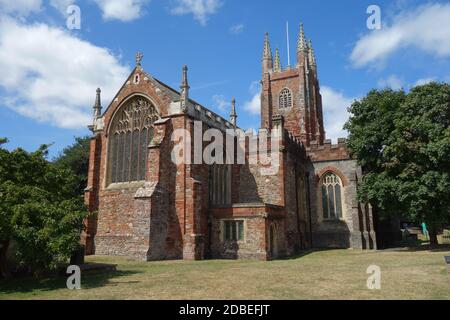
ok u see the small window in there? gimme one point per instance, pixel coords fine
(234, 230)
(285, 99)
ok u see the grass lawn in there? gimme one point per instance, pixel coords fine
(336, 274)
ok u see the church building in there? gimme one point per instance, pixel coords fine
(146, 206)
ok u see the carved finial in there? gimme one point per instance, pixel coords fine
(98, 104)
(184, 80)
(301, 43)
(97, 108)
(233, 115)
(139, 57)
(311, 55)
(277, 63)
(267, 61)
(184, 88)
(267, 51)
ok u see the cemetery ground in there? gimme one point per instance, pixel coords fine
(334, 274)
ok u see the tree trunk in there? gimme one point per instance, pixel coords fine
(4, 270)
(433, 238)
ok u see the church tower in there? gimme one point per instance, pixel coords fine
(293, 92)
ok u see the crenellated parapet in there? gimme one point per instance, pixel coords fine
(328, 151)
(294, 140)
(208, 117)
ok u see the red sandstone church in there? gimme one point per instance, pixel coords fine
(145, 206)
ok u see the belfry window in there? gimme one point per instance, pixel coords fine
(331, 189)
(285, 99)
(130, 134)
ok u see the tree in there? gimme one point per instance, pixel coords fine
(403, 143)
(38, 210)
(5, 227)
(76, 158)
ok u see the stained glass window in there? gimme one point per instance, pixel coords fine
(130, 134)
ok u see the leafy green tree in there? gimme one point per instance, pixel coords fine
(5, 226)
(38, 210)
(76, 158)
(403, 143)
(370, 130)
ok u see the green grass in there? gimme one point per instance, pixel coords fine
(337, 274)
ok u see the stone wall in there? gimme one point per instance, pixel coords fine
(140, 219)
(257, 218)
(334, 233)
(257, 187)
(278, 239)
(328, 151)
(352, 230)
(252, 247)
(257, 182)
(296, 232)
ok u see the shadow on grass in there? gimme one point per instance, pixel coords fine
(421, 248)
(88, 281)
(301, 254)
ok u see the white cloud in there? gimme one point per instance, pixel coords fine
(54, 83)
(237, 28)
(62, 5)
(221, 103)
(335, 106)
(20, 7)
(426, 28)
(253, 106)
(201, 9)
(393, 82)
(423, 81)
(123, 10)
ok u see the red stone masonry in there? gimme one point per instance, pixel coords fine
(170, 215)
(328, 151)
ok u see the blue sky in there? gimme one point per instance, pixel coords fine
(49, 73)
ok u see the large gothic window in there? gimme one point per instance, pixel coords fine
(331, 189)
(130, 134)
(285, 99)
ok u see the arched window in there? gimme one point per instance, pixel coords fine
(130, 134)
(285, 98)
(331, 196)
